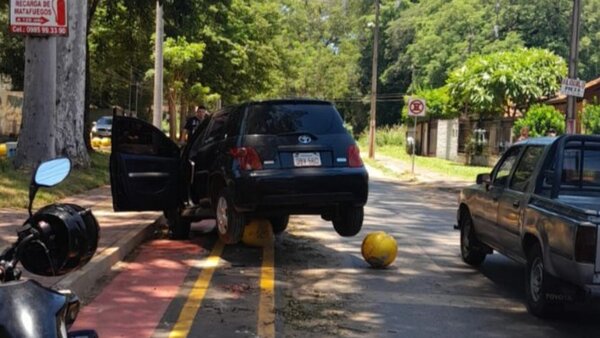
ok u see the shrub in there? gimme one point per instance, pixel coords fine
(540, 119)
(591, 118)
(386, 136)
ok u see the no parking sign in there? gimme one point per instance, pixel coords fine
(416, 107)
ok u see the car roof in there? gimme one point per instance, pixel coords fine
(538, 141)
(544, 141)
(291, 101)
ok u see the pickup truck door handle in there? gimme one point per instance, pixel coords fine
(516, 203)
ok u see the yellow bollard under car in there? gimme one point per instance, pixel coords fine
(258, 233)
(3, 149)
(379, 249)
(106, 142)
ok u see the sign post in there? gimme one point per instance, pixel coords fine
(416, 108)
(39, 17)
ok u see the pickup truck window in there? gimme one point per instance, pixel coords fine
(505, 167)
(581, 168)
(524, 172)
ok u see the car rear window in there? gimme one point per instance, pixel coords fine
(105, 120)
(270, 118)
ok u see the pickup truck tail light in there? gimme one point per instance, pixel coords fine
(247, 157)
(354, 160)
(585, 244)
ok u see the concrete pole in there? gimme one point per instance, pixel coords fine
(158, 68)
(373, 119)
(573, 59)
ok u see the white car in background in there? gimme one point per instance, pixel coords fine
(103, 127)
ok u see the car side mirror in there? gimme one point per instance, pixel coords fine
(484, 178)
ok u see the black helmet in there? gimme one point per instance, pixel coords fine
(68, 240)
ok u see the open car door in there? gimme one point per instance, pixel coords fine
(144, 167)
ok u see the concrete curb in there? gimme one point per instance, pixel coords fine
(83, 280)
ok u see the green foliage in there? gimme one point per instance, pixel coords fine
(437, 101)
(493, 84)
(12, 48)
(591, 118)
(540, 119)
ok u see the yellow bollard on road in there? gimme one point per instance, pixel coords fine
(379, 249)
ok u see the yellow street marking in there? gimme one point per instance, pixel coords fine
(266, 305)
(192, 305)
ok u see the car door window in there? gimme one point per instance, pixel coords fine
(524, 171)
(136, 137)
(216, 129)
(505, 167)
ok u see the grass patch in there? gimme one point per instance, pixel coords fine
(388, 172)
(433, 164)
(14, 184)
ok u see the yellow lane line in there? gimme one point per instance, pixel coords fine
(266, 305)
(192, 305)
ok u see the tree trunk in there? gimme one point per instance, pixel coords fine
(87, 119)
(183, 117)
(37, 136)
(172, 115)
(70, 88)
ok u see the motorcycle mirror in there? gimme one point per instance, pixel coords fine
(48, 174)
(52, 172)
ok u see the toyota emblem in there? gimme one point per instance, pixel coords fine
(304, 139)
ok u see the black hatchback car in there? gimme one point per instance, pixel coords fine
(259, 159)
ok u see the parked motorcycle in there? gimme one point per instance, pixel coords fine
(56, 240)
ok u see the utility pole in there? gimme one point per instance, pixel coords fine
(573, 59)
(373, 120)
(158, 68)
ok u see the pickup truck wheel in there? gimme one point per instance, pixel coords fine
(470, 250)
(230, 223)
(538, 284)
(179, 228)
(279, 223)
(348, 220)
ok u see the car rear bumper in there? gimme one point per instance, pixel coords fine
(301, 189)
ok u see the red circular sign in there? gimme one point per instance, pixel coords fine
(416, 107)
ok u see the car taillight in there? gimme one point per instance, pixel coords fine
(248, 158)
(354, 159)
(585, 244)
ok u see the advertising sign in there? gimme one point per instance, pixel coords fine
(572, 87)
(39, 17)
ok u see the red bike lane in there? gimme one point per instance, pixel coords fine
(132, 304)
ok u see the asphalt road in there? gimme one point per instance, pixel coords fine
(319, 284)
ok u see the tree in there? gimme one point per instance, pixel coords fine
(70, 87)
(181, 60)
(504, 82)
(12, 48)
(540, 119)
(54, 95)
(591, 118)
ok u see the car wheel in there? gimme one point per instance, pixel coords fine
(230, 223)
(470, 248)
(348, 221)
(279, 223)
(179, 227)
(538, 284)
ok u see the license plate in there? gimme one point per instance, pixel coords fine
(307, 159)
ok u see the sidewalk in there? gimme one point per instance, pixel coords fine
(120, 233)
(426, 178)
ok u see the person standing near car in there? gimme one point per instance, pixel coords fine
(193, 122)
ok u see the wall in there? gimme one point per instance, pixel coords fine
(447, 139)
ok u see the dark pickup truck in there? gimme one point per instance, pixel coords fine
(540, 206)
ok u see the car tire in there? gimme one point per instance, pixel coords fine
(279, 223)
(348, 221)
(179, 227)
(230, 223)
(470, 247)
(538, 284)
